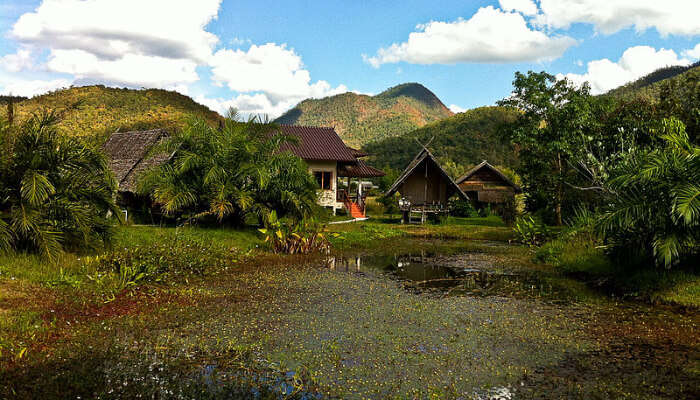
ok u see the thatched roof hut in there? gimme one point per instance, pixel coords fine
(486, 184)
(128, 155)
(424, 182)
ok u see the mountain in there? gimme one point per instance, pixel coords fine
(359, 119)
(458, 142)
(650, 84)
(99, 110)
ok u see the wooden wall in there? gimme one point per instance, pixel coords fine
(414, 187)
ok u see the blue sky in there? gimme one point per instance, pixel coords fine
(265, 56)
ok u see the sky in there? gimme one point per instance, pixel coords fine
(265, 56)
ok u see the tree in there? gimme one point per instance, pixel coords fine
(556, 117)
(55, 193)
(229, 173)
(653, 202)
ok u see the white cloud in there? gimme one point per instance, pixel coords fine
(128, 42)
(456, 109)
(693, 53)
(110, 29)
(669, 17)
(527, 7)
(490, 36)
(18, 61)
(130, 70)
(636, 62)
(273, 72)
(155, 43)
(30, 87)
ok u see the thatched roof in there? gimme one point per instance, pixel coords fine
(486, 165)
(427, 156)
(128, 155)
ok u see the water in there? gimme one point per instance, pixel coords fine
(463, 274)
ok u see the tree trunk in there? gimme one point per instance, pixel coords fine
(559, 197)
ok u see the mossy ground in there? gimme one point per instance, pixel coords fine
(272, 325)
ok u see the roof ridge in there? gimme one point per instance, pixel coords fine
(307, 126)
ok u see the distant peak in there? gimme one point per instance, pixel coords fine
(412, 90)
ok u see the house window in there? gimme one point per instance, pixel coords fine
(324, 179)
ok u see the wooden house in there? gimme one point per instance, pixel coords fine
(322, 149)
(487, 186)
(425, 187)
(330, 160)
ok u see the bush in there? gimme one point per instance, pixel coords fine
(531, 232)
(462, 208)
(55, 193)
(158, 263)
(294, 237)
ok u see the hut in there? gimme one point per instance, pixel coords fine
(128, 154)
(425, 188)
(487, 186)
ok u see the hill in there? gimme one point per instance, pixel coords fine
(359, 119)
(100, 110)
(459, 141)
(650, 84)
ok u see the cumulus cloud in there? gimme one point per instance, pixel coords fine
(110, 29)
(155, 43)
(636, 62)
(670, 17)
(693, 53)
(274, 71)
(456, 109)
(18, 61)
(30, 87)
(527, 7)
(490, 36)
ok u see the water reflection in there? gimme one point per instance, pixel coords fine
(457, 274)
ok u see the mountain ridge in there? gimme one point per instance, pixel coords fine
(361, 118)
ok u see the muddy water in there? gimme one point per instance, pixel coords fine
(645, 351)
(461, 274)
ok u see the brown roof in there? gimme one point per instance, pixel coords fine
(427, 156)
(317, 143)
(359, 170)
(486, 165)
(358, 153)
(127, 152)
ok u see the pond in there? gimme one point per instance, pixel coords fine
(418, 319)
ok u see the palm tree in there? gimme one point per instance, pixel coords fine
(55, 193)
(655, 206)
(229, 172)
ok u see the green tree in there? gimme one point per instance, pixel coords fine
(230, 172)
(653, 202)
(55, 193)
(555, 118)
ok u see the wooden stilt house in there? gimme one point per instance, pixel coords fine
(425, 188)
(489, 187)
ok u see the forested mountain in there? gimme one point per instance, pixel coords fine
(99, 110)
(359, 119)
(458, 142)
(650, 85)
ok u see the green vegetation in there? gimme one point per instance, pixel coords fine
(359, 119)
(460, 142)
(97, 111)
(55, 193)
(230, 173)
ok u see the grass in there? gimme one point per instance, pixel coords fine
(285, 326)
(584, 259)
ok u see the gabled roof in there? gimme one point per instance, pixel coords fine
(425, 155)
(316, 143)
(127, 153)
(490, 167)
(359, 170)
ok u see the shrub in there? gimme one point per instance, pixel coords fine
(531, 232)
(462, 208)
(294, 237)
(55, 193)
